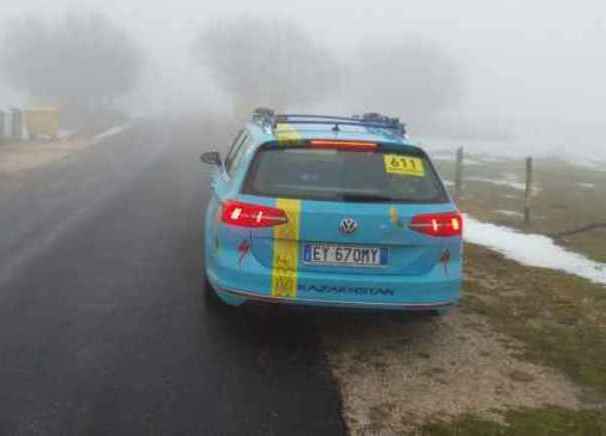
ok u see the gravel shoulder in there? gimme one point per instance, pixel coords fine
(508, 347)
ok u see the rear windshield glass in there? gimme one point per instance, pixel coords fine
(342, 175)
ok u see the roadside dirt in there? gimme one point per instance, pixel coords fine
(397, 373)
(15, 158)
(396, 376)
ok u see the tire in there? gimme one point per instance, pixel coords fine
(443, 311)
(210, 296)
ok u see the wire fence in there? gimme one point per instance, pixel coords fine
(529, 192)
(459, 183)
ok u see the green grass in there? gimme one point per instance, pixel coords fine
(525, 422)
(561, 322)
(560, 318)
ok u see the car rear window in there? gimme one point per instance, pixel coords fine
(344, 175)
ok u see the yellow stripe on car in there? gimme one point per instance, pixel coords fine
(286, 250)
(285, 133)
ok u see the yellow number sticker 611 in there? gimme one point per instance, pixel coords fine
(404, 165)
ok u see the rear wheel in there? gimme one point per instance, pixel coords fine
(442, 311)
(219, 298)
(210, 296)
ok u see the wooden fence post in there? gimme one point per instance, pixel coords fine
(528, 191)
(459, 173)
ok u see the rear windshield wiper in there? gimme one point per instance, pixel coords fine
(366, 198)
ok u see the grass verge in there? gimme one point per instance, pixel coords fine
(525, 422)
(560, 320)
(559, 317)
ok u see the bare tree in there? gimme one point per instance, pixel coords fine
(276, 64)
(266, 63)
(82, 60)
(412, 77)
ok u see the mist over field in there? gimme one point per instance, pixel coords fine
(525, 76)
(166, 270)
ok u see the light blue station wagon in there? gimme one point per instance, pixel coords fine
(331, 211)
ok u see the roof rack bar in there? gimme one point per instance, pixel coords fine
(371, 119)
(281, 117)
(361, 123)
(268, 119)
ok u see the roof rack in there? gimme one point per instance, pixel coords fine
(267, 118)
(263, 116)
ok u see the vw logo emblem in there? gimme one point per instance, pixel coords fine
(348, 225)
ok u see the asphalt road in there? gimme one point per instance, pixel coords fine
(104, 329)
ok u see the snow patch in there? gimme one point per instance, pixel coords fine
(509, 213)
(492, 159)
(112, 132)
(586, 185)
(65, 133)
(515, 185)
(441, 156)
(532, 250)
(444, 156)
(591, 164)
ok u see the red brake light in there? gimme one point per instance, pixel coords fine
(236, 213)
(438, 224)
(343, 145)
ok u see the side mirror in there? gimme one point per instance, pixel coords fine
(211, 158)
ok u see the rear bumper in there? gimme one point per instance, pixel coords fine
(238, 278)
(236, 297)
(433, 291)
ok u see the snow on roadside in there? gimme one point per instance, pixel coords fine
(586, 185)
(512, 213)
(443, 156)
(515, 185)
(65, 133)
(590, 164)
(511, 196)
(532, 250)
(112, 132)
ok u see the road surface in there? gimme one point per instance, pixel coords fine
(104, 329)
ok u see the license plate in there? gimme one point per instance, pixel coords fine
(347, 255)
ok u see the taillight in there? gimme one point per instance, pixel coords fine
(236, 213)
(438, 224)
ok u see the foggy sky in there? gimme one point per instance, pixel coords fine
(537, 65)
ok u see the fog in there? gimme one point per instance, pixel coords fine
(527, 73)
